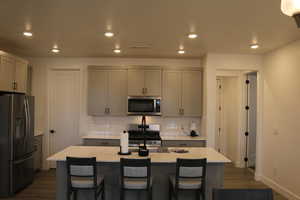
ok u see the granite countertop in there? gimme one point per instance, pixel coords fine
(110, 154)
(163, 137)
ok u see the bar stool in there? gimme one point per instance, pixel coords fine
(83, 175)
(136, 175)
(190, 175)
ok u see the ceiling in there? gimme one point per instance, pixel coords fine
(78, 26)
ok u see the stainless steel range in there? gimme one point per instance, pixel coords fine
(152, 135)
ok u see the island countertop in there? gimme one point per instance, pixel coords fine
(163, 137)
(110, 154)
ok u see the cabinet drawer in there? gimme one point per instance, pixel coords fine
(184, 143)
(101, 142)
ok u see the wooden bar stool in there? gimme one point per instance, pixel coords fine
(190, 175)
(136, 175)
(83, 175)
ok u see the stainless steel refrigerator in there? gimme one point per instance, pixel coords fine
(16, 142)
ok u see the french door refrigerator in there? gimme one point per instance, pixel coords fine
(16, 142)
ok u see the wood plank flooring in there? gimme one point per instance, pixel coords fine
(43, 187)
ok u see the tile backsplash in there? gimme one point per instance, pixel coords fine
(169, 125)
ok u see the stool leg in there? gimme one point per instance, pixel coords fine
(75, 195)
(103, 192)
(170, 192)
(150, 194)
(121, 194)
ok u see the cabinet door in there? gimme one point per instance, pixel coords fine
(7, 73)
(152, 82)
(136, 82)
(191, 93)
(97, 92)
(117, 95)
(21, 76)
(171, 93)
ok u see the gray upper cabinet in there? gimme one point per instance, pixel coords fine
(144, 82)
(7, 74)
(117, 95)
(171, 93)
(107, 92)
(135, 82)
(97, 92)
(13, 74)
(21, 76)
(182, 93)
(191, 93)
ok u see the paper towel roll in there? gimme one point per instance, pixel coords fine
(193, 126)
(124, 142)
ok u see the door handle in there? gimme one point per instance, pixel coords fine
(52, 131)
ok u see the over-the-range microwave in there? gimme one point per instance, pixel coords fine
(144, 106)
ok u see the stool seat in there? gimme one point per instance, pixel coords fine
(136, 183)
(86, 182)
(186, 183)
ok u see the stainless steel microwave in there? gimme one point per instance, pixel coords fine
(144, 106)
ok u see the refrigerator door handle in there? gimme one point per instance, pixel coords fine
(26, 119)
(22, 160)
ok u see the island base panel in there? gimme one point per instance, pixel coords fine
(160, 174)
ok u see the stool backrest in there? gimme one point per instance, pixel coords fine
(82, 167)
(245, 194)
(135, 168)
(191, 168)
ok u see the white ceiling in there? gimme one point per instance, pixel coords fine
(77, 26)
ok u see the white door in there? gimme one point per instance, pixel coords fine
(218, 116)
(64, 109)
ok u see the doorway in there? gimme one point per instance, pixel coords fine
(251, 120)
(64, 109)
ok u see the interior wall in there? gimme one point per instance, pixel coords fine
(281, 138)
(230, 110)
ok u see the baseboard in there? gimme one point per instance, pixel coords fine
(280, 189)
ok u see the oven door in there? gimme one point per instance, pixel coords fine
(142, 106)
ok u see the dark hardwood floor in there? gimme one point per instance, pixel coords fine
(43, 187)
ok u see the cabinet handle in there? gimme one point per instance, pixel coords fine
(143, 90)
(182, 111)
(146, 90)
(108, 110)
(14, 85)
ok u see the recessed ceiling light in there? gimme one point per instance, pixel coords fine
(109, 34)
(27, 34)
(117, 51)
(181, 51)
(192, 35)
(254, 46)
(55, 50)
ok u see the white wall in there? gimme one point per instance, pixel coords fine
(281, 137)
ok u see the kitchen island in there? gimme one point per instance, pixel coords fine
(163, 164)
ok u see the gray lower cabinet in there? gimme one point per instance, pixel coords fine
(101, 142)
(184, 143)
(38, 155)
